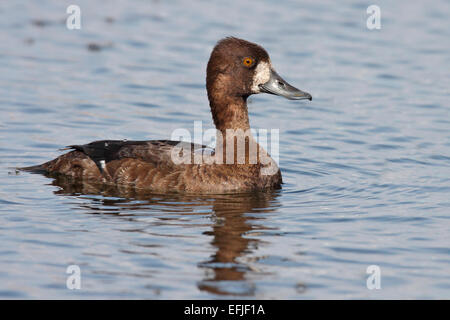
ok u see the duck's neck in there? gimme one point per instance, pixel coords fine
(230, 113)
(234, 138)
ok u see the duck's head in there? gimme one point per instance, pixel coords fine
(241, 68)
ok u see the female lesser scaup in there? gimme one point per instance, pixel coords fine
(236, 69)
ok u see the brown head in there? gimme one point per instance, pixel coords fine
(236, 69)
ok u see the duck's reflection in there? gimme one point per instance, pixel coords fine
(235, 217)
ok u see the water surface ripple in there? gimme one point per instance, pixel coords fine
(366, 164)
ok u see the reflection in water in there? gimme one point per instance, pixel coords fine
(229, 232)
(234, 217)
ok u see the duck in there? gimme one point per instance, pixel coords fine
(236, 69)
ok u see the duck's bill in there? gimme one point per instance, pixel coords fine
(276, 85)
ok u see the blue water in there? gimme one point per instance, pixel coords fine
(366, 164)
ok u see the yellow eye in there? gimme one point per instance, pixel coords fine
(247, 61)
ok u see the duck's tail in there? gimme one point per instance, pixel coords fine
(46, 167)
(41, 168)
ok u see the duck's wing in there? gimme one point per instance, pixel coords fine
(85, 159)
(156, 152)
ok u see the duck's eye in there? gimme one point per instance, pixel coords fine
(248, 62)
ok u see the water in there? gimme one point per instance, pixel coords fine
(366, 164)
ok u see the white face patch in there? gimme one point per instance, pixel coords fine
(262, 75)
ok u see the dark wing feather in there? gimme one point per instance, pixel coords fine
(153, 151)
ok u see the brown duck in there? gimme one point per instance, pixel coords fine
(236, 69)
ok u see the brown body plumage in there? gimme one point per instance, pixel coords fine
(236, 69)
